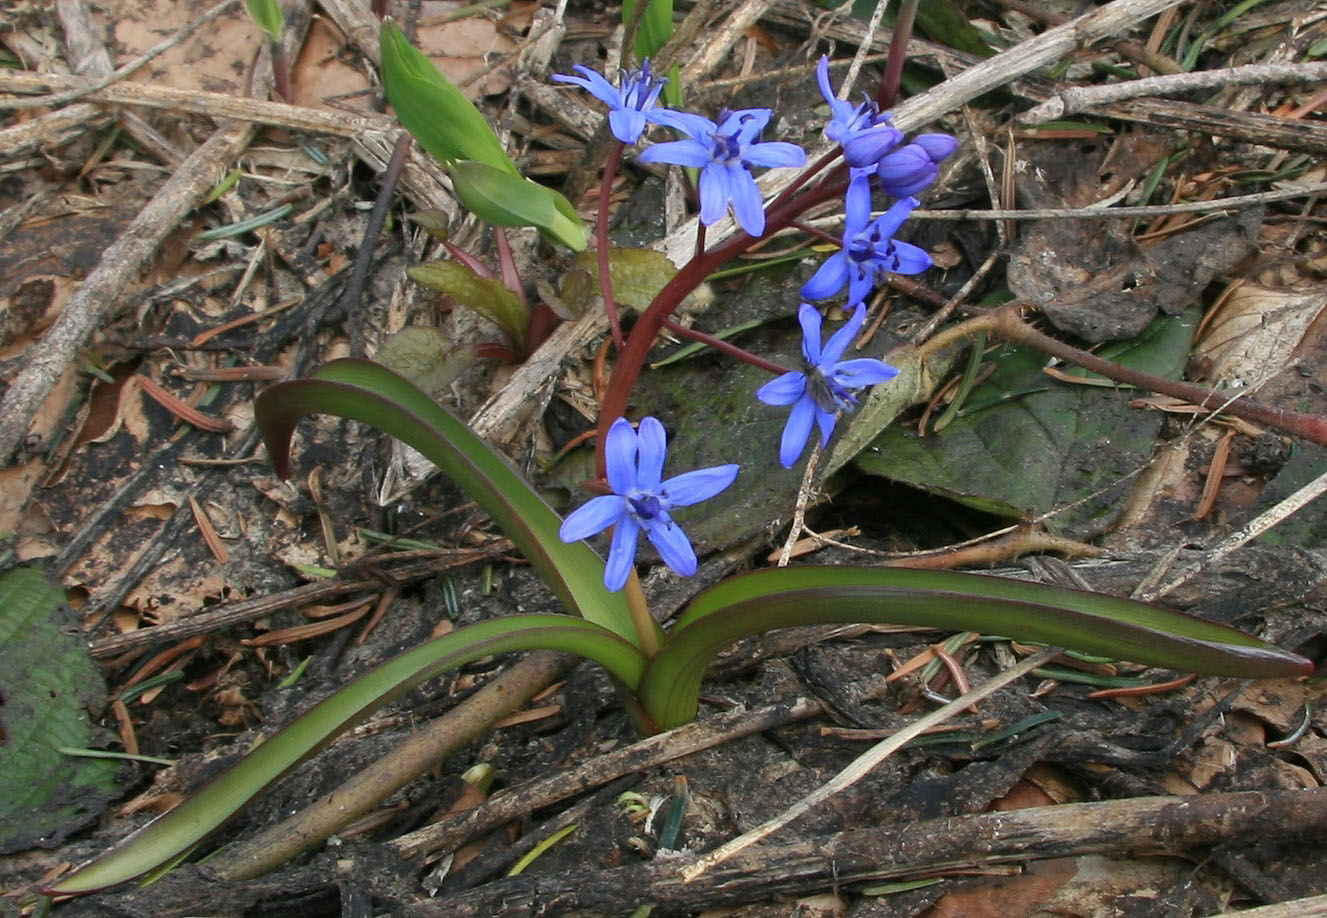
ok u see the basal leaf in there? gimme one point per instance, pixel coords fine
(364, 391)
(437, 114)
(1090, 622)
(656, 26)
(944, 22)
(503, 199)
(426, 357)
(178, 831)
(268, 15)
(638, 274)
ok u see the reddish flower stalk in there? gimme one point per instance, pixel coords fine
(631, 359)
(601, 240)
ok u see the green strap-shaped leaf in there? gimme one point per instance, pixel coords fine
(268, 15)
(437, 114)
(502, 199)
(656, 26)
(364, 391)
(1089, 622)
(177, 832)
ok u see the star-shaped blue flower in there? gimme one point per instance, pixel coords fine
(634, 465)
(868, 249)
(724, 153)
(627, 107)
(863, 132)
(826, 384)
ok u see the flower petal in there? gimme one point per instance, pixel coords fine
(715, 192)
(937, 146)
(796, 431)
(592, 517)
(860, 284)
(702, 484)
(856, 206)
(622, 553)
(867, 148)
(809, 319)
(620, 456)
(826, 420)
(861, 372)
(837, 344)
(785, 390)
(822, 77)
(690, 153)
(745, 124)
(627, 124)
(908, 259)
(889, 222)
(652, 448)
(595, 84)
(775, 154)
(673, 546)
(906, 171)
(748, 206)
(828, 279)
(694, 126)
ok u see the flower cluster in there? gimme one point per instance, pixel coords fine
(874, 149)
(876, 156)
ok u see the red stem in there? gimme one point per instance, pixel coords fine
(511, 278)
(601, 240)
(721, 345)
(898, 53)
(632, 357)
(1313, 428)
(805, 177)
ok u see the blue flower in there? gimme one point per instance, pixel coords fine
(863, 132)
(627, 107)
(868, 249)
(911, 168)
(634, 464)
(826, 384)
(724, 153)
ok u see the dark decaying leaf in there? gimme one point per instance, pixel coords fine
(47, 685)
(1026, 443)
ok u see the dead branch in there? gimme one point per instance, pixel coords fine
(1153, 824)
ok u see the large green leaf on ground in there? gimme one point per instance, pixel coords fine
(1027, 443)
(47, 685)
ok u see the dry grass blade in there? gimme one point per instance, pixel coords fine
(180, 408)
(864, 763)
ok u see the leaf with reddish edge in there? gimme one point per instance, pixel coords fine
(364, 391)
(173, 835)
(1090, 622)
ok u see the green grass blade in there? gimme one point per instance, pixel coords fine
(178, 831)
(1090, 622)
(364, 391)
